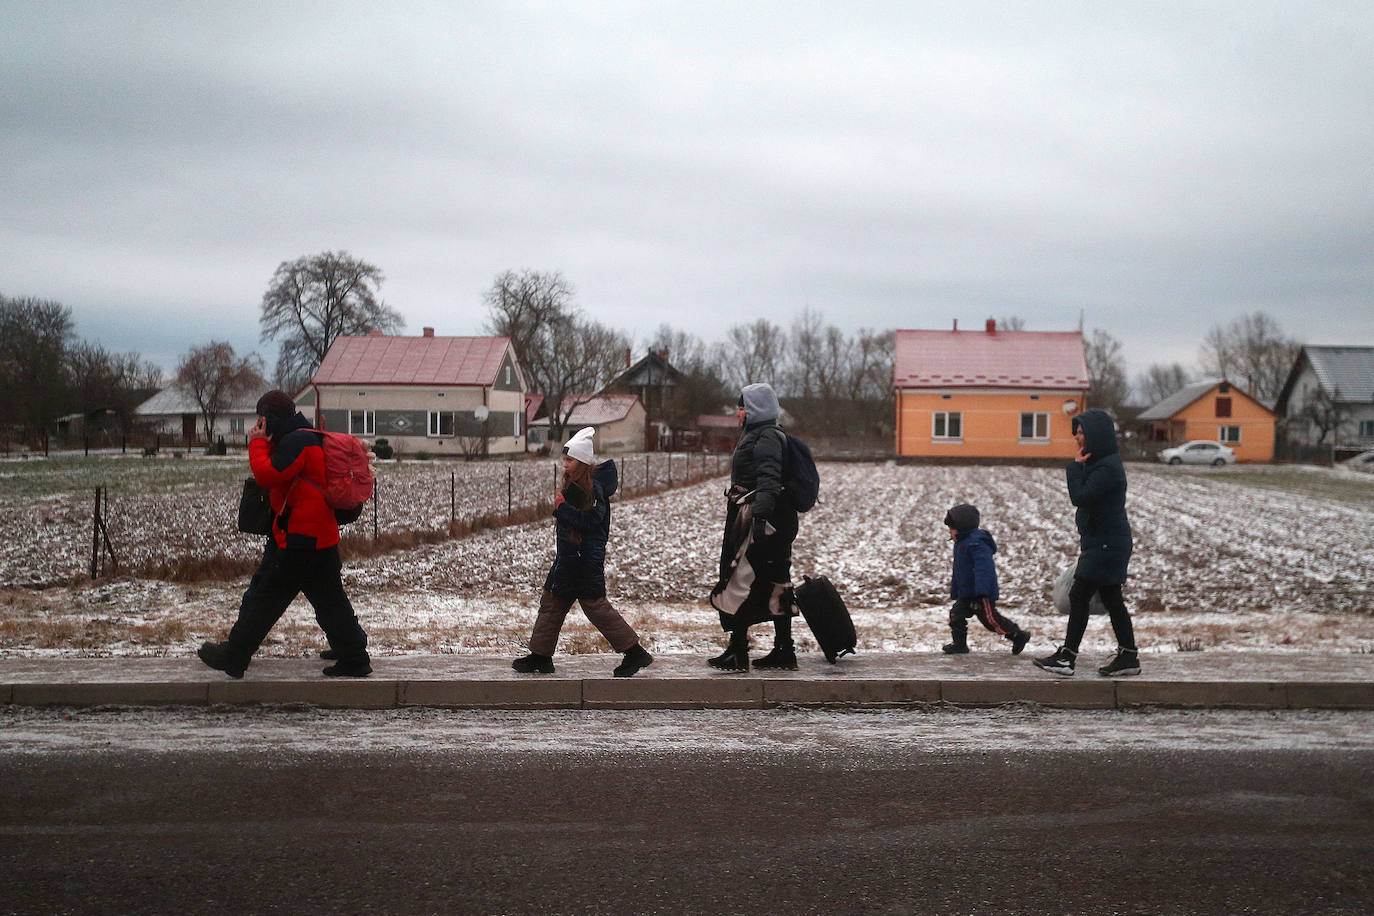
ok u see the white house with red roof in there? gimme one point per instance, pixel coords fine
(988, 393)
(619, 420)
(439, 395)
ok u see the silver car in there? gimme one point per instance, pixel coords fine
(1199, 451)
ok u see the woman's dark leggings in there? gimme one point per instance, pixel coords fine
(1079, 596)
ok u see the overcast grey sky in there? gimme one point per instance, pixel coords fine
(1158, 167)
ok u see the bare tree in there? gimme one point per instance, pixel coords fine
(216, 377)
(873, 356)
(582, 357)
(34, 336)
(1159, 381)
(701, 386)
(1252, 350)
(1106, 370)
(1325, 413)
(527, 306)
(1011, 323)
(312, 301)
(753, 353)
(117, 381)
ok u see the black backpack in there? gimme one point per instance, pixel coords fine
(800, 478)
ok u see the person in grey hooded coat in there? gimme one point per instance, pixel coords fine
(1097, 488)
(760, 525)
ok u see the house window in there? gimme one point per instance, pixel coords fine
(947, 424)
(1367, 429)
(236, 425)
(516, 416)
(1228, 435)
(1223, 407)
(1035, 426)
(362, 422)
(508, 375)
(441, 422)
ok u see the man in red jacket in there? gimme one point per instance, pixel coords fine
(302, 555)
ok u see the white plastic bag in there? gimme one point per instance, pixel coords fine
(1059, 593)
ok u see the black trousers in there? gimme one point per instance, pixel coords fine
(986, 612)
(1079, 596)
(284, 574)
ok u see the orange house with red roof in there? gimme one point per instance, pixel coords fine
(988, 393)
(422, 394)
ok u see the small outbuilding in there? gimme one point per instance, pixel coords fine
(1215, 410)
(619, 421)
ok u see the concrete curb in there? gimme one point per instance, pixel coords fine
(1253, 680)
(702, 693)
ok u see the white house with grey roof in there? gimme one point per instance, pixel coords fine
(1330, 387)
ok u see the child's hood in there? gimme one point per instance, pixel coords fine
(978, 535)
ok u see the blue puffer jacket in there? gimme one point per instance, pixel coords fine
(579, 571)
(1098, 488)
(975, 573)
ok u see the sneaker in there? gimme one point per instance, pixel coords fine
(349, 669)
(329, 655)
(780, 659)
(1126, 663)
(636, 657)
(534, 664)
(1060, 663)
(955, 648)
(217, 656)
(1018, 642)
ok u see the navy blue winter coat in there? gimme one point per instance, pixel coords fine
(975, 572)
(579, 571)
(1098, 488)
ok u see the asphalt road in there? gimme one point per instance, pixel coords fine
(861, 820)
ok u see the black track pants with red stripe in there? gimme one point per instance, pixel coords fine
(986, 612)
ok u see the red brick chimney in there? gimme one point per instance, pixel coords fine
(956, 324)
(992, 325)
(429, 332)
(627, 357)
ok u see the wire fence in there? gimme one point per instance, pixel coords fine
(177, 520)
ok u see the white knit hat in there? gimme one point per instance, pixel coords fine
(580, 445)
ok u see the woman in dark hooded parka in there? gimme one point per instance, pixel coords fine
(1097, 487)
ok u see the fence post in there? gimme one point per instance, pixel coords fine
(452, 499)
(95, 536)
(646, 471)
(376, 498)
(670, 469)
(510, 490)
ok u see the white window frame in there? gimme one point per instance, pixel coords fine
(1040, 426)
(940, 425)
(237, 425)
(1366, 429)
(436, 424)
(369, 424)
(515, 415)
(1224, 431)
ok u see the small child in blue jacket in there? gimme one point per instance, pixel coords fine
(973, 586)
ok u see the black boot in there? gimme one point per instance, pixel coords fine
(636, 657)
(219, 656)
(784, 654)
(736, 654)
(350, 668)
(1019, 640)
(534, 663)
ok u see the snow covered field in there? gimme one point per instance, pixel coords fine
(1231, 558)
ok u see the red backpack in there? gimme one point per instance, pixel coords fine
(347, 474)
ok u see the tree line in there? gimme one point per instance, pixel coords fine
(838, 383)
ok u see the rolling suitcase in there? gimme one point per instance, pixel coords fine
(827, 617)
